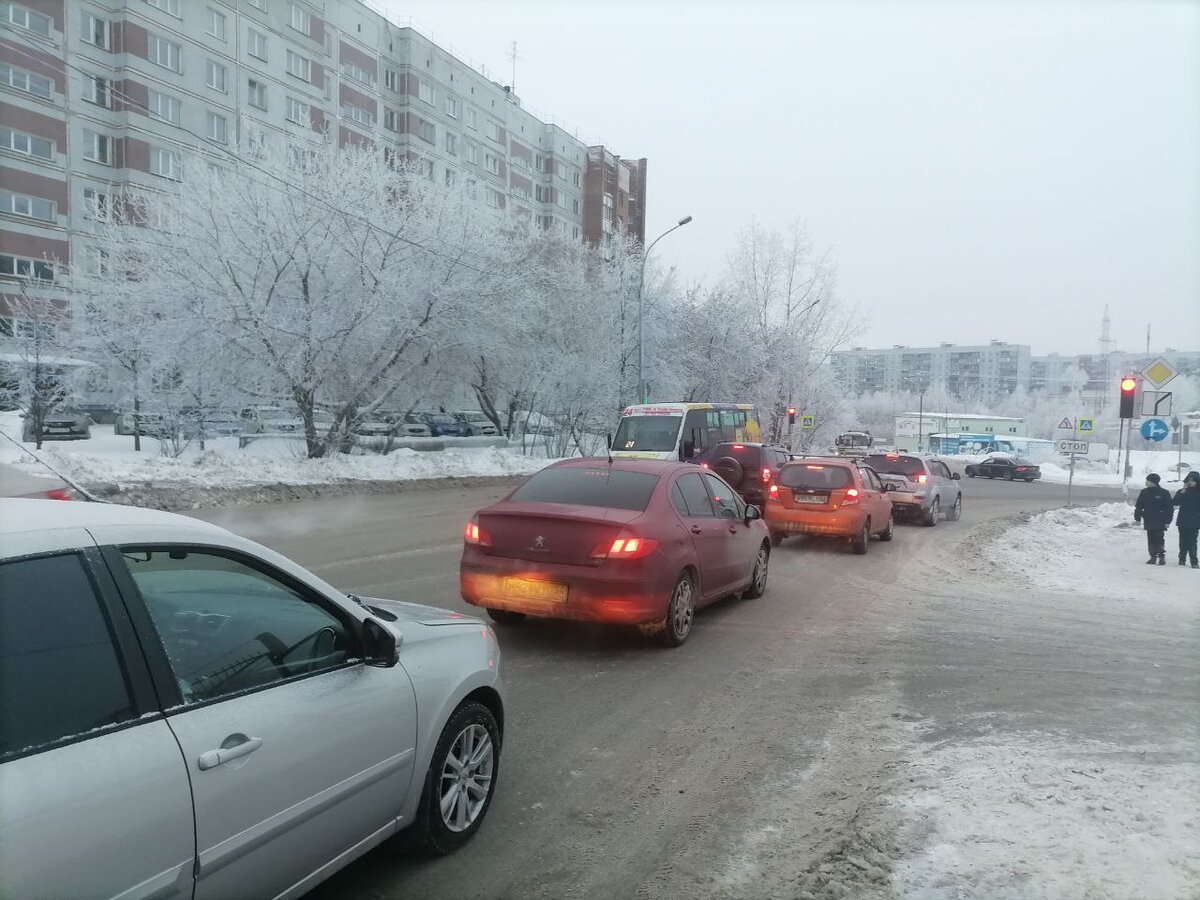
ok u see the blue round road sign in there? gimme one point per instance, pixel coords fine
(1155, 430)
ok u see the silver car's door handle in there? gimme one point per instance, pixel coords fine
(214, 758)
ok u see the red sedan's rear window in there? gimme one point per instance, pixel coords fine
(815, 477)
(611, 488)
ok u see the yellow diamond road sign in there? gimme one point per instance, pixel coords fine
(1159, 372)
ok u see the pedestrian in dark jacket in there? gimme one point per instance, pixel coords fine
(1155, 511)
(1187, 499)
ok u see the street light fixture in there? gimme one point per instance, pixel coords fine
(641, 310)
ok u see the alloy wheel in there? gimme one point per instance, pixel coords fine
(683, 608)
(466, 777)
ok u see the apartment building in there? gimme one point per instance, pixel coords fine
(614, 197)
(989, 370)
(99, 94)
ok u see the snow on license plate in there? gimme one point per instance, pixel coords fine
(808, 498)
(530, 589)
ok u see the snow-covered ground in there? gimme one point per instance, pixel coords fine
(1093, 473)
(108, 458)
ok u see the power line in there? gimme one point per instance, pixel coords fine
(239, 158)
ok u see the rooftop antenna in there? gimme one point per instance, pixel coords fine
(513, 56)
(1106, 352)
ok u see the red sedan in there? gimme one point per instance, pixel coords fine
(629, 541)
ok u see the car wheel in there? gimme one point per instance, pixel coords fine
(1029, 480)
(863, 541)
(676, 625)
(1008, 476)
(758, 579)
(970, 474)
(935, 512)
(460, 782)
(776, 538)
(956, 510)
(505, 616)
(890, 532)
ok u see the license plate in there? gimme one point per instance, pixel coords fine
(808, 498)
(529, 589)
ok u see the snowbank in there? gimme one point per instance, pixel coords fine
(1095, 551)
(110, 459)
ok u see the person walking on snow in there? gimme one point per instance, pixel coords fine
(1187, 499)
(1155, 511)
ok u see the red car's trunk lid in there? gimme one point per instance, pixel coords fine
(551, 532)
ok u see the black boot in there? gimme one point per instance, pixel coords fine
(1183, 559)
(1162, 559)
(1151, 561)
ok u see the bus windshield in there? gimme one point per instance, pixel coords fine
(658, 434)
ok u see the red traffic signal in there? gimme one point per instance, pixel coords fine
(791, 415)
(1128, 390)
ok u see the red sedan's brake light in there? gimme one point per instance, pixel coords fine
(59, 494)
(766, 476)
(473, 534)
(851, 497)
(920, 479)
(773, 493)
(626, 547)
(1020, 468)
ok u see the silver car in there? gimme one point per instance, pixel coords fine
(186, 713)
(923, 487)
(63, 423)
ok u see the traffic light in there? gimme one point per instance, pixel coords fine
(791, 415)
(1128, 389)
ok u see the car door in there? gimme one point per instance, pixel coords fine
(999, 468)
(96, 801)
(297, 750)
(708, 532)
(878, 503)
(742, 541)
(947, 490)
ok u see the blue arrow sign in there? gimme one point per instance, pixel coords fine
(1155, 430)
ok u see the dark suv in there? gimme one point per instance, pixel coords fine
(749, 468)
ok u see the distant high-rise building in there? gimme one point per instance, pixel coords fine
(989, 370)
(614, 197)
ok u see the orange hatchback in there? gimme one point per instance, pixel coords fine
(830, 497)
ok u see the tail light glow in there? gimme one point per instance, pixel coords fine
(625, 548)
(739, 446)
(766, 476)
(473, 534)
(851, 497)
(921, 479)
(59, 494)
(773, 493)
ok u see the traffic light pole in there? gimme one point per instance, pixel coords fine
(1128, 441)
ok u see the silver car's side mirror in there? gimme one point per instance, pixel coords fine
(381, 645)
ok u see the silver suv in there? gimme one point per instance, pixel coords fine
(186, 713)
(924, 487)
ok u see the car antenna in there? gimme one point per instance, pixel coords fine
(87, 495)
(608, 447)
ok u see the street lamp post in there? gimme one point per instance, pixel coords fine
(642, 311)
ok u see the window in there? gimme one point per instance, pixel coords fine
(391, 121)
(451, 177)
(296, 111)
(358, 73)
(575, 178)
(493, 131)
(96, 261)
(389, 79)
(230, 625)
(164, 53)
(61, 681)
(256, 44)
(425, 92)
(95, 90)
(95, 147)
(25, 205)
(452, 107)
(28, 144)
(473, 153)
(471, 187)
(491, 163)
(95, 31)
(29, 82)
(575, 207)
(328, 80)
(216, 24)
(300, 19)
(724, 499)
(256, 94)
(472, 118)
(426, 132)
(815, 477)
(215, 76)
(96, 205)
(217, 128)
(520, 191)
(426, 168)
(297, 65)
(494, 198)
(27, 19)
(167, 6)
(164, 107)
(26, 267)
(166, 163)
(358, 114)
(451, 143)
(257, 4)
(561, 199)
(606, 488)
(690, 497)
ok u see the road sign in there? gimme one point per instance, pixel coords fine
(1085, 424)
(1159, 372)
(808, 422)
(1073, 446)
(1066, 424)
(1156, 403)
(1155, 430)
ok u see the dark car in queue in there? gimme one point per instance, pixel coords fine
(924, 488)
(1010, 468)
(443, 425)
(749, 468)
(626, 541)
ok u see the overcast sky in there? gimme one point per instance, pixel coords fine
(979, 170)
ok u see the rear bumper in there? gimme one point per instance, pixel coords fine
(618, 593)
(846, 523)
(910, 504)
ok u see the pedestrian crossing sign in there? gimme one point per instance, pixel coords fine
(1066, 423)
(809, 422)
(1085, 424)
